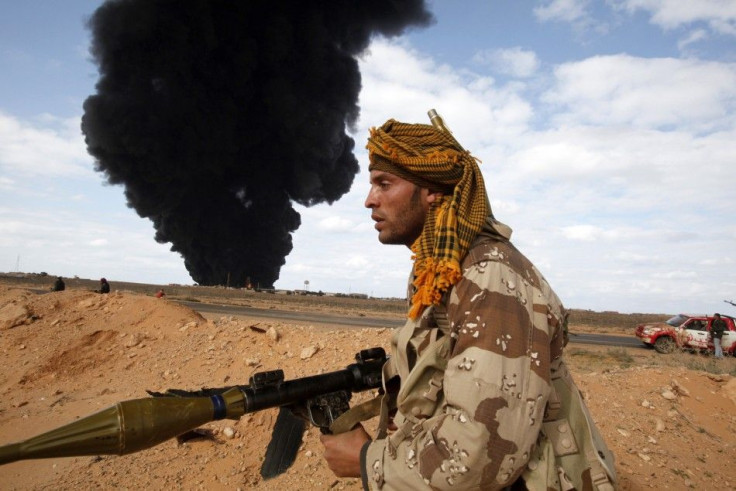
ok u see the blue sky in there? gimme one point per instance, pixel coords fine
(607, 132)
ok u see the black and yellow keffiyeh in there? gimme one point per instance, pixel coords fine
(432, 159)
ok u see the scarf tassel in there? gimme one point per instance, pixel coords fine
(431, 282)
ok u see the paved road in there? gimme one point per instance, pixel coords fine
(337, 320)
(606, 340)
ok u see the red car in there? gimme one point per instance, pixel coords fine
(687, 332)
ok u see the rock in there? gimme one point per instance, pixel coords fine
(12, 315)
(623, 432)
(717, 378)
(678, 388)
(646, 403)
(188, 325)
(252, 362)
(273, 333)
(229, 432)
(308, 352)
(644, 457)
(669, 395)
(659, 425)
(133, 340)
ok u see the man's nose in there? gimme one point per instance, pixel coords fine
(370, 200)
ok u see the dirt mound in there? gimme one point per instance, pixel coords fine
(70, 354)
(88, 353)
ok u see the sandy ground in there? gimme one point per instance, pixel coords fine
(70, 354)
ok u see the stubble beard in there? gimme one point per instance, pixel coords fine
(409, 220)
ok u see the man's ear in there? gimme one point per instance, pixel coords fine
(434, 196)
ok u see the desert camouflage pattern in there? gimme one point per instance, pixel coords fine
(473, 388)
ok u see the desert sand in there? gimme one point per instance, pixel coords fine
(72, 353)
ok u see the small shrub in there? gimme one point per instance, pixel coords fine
(584, 353)
(621, 356)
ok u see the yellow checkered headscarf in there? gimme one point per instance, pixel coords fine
(432, 159)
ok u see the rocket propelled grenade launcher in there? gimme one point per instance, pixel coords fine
(439, 124)
(138, 424)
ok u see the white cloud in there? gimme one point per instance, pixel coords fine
(47, 147)
(562, 10)
(402, 84)
(641, 168)
(678, 274)
(582, 232)
(576, 13)
(692, 37)
(719, 15)
(516, 61)
(646, 93)
(65, 243)
(588, 233)
(358, 263)
(335, 224)
(6, 183)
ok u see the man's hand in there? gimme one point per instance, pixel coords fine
(342, 452)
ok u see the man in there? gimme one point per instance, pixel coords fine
(104, 286)
(474, 360)
(716, 331)
(59, 285)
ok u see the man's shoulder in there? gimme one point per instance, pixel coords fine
(487, 248)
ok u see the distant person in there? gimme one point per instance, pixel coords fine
(104, 286)
(716, 331)
(160, 293)
(59, 285)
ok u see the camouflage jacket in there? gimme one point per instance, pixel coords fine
(474, 389)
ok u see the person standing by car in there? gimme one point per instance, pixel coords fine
(716, 331)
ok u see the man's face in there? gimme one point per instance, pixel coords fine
(398, 207)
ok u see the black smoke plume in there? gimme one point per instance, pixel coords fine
(216, 115)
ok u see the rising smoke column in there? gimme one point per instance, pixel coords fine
(216, 114)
